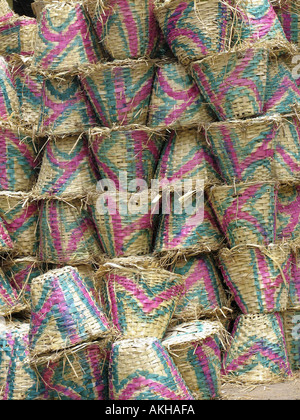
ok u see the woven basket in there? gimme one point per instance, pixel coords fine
(140, 301)
(20, 218)
(233, 83)
(288, 13)
(294, 301)
(65, 38)
(63, 313)
(246, 212)
(291, 320)
(176, 101)
(6, 12)
(18, 380)
(257, 277)
(120, 92)
(10, 301)
(17, 36)
(78, 374)
(127, 29)
(9, 104)
(203, 294)
(186, 234)
(6, 243)
(194, 29)
(282, 93)
(135, 152)
(195, 350)
(125, 228)
(18, 159)
(67, 233)
(186, 156)
(67, 170)
(65, 108)
(258, 350)
(20, 272)
(143, 370)
(288, 213)
(256, 20)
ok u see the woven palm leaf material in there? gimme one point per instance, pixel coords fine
(140, 301)
(20, 272)
(291, 319)
(258, 277)
(6, 13)
(195, 350)
(184, 232)
(120, 91)
(288, 213)
(195, 29)
(121, 149)
(257, 353)
(67, 233)
(63, 313)
(18, 36)
(9, 104)
(233, 83)
(282, 92)
(142, 369)
(256, 21)
(294, 301)
(187, 156)
(6, 243)
(67, 170)
(65, 108)
(288, 13)
(20, 217)
(246, 212)
(18, 380)
(10, 301)
(18, 159)
(203, 294)
(127, 29)
(65, 39)
(176, 101)
(258, 149)
(80, 373)
(123, 222)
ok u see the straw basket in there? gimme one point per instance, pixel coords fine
(18, 381)
(203, 294)
(67, 233)
(9, 104)
(10, 301)
(291, 322)
(258, 350)
(233, 83)
(294, 301)
(67, 170)
(246, 212)
(123, 223)
(258, 149)
(20, 218)
(63, 313)
(186, 156)
(257, 277)
(194, 29)
(20, 272)
(127, 29)
(288, 214)
(6, 12)
(77, 374)
(18, 159)
(186, 227)
(65, 108)
(135, 152)
(195, 350)
(141, 301)
(176, 101)
(288, 12)
(65, 38)
(282, 93)
(143, 370)
(256, 20)
(120, 92)
(6, 243)
(18, 36)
